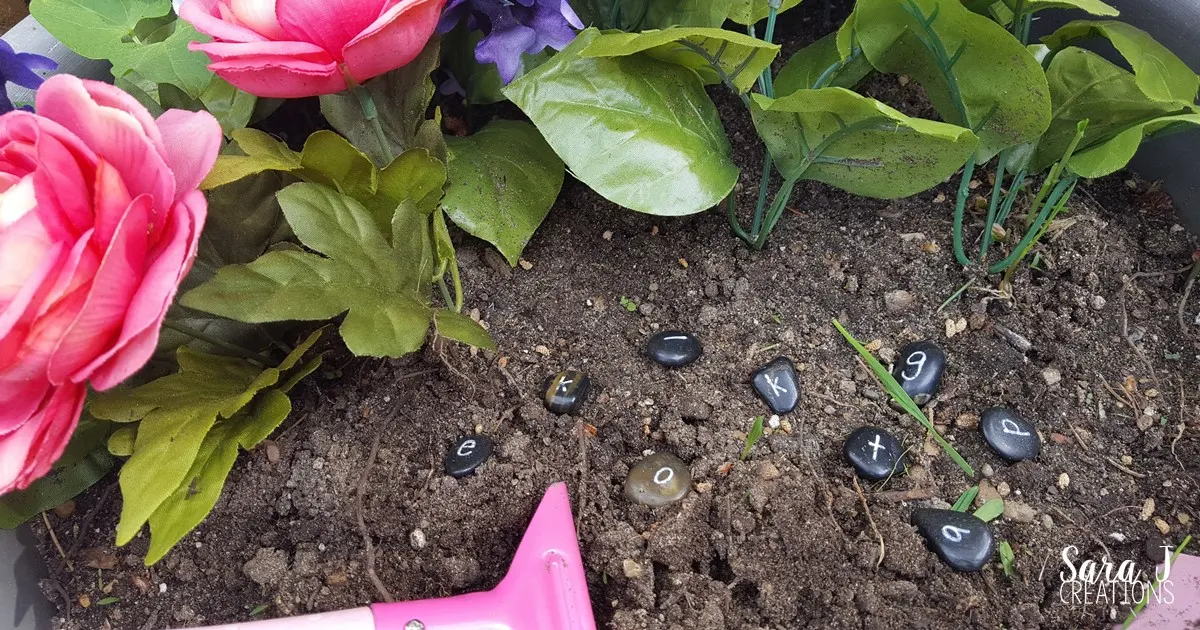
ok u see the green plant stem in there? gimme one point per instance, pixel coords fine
(1141, 605)
(449, 301)
(371, 114)
(777, 207)
(731, 206)
(766, 85)
(1030, 235)
(993, 206)
(954, 296)
(231, 348)
(834, 68)
(773, 12)
(960, 208)
(1011, 197)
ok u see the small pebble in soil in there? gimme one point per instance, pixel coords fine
(565, 392)
(658, 479)
(919, 370)
(467, 454)
(673, 348)
(777, 385)
(962, 540)
(1010, 435)
(874, 453)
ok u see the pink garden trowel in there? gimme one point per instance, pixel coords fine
(545, 589)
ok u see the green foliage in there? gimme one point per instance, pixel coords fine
(821, 62)
(148, 48)
(640, 131)
(902, 398)
(1095, 7)
(666, 13)
(990, 510)
(714, 53)
(968, 65)
(751, 11)
(459, 327)
(858, 144)
(82, 464)
(1007, 557)
(628, 304)
(1159, 73)
(190, 425)
(756, 433)
(503, 181)
(965, 499)
(402, 97)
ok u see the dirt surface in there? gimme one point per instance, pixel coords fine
(779, 541)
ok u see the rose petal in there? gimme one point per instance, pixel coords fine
(393, 40)
(28, 257)
(304, 51)
(31, 451)
(192, 140)
(110, 202)
(258, 15)
(202, 15)
(21, 393)
(114, 134)
(330, 24)
(169, 265)
(280, 77)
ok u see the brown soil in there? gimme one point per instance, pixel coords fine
(779, 541)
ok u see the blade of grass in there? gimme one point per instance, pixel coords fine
(902, 398)
(756, 432)
(990, 510)
(1153, 587)
(966, 499)
(1006, 558)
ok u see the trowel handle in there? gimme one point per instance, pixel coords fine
(473, 611)
(357, 619)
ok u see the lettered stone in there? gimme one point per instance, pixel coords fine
(918, 369)
(674, 348)
(874, 453)
(777, 385)
(467, 454)
(658, 479)
(565, 392)
(962, 540)
(1010, 435)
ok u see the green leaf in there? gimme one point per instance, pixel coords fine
(445, 258)
(990, 510)
(401, 98)
(262, 153)
(821, 60)
(459, 327)
(1095, 7)
(902, 398)
(84, 462)
(858, 144)
(481, 81)
(120, 443)
(96, 29)
(333, 161)
(751, 11)
(706, 13)
(756, 433)
(231, 107)
(1006, 557)
(415, 175)
(176, 414)
(1160, 74)
(503, 181)
(1085, 86)
(639, 131)
(965, 499)
(383, 288)
(168, 61)
(981, 77)
(741, 57)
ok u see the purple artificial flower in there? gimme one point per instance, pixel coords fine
(20, 68)
(513, 27)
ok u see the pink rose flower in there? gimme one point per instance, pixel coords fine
(99, 222)
(297, 48)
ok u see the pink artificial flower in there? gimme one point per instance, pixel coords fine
(99, 222)
(297, 48)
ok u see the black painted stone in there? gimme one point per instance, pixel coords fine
(961, 540)
(918, 369)
(874, 453)
(1010, 435)
(674, 348)
(777, 385)
(467, 454)
(565, 392)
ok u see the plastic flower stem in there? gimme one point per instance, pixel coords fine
(766, 84)
(371, 114)
(233, 349)
(1044, 213)
(960, 207)
(733, 221)
(993, 206)
(1057, 169)
(1011, 197)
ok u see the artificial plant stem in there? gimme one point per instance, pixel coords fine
(766, 85)
(777, 207)
(763, 185)
(1033, 231)
(731, 206)
(993, 206)
(371, 114)
(446, 298)
(233, 349)
(1011, 197)
(960, 207)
